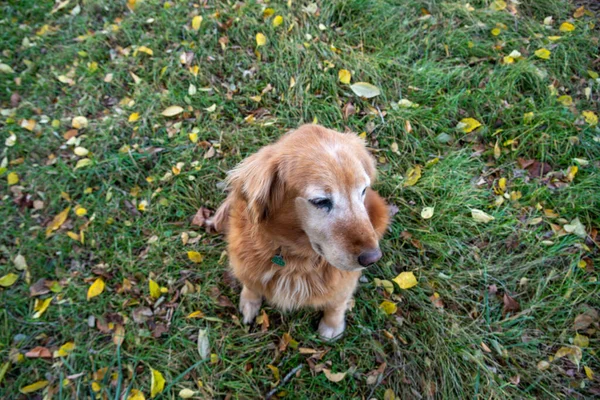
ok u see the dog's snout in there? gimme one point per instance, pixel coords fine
(369, 257)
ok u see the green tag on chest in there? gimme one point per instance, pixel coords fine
(278, 259)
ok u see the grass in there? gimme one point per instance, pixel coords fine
(448, 62)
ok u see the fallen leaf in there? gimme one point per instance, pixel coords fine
(201, 216)
(498, 5)
(65, 349)
(389, 394)
(565, 100)
(543, 365)
(40, 307)
(195, 257)
(278, 20)
(510, 304)
(196, 314)
(582, 322)
(143, 49)
(406, 280)
(12, 178)
(590, 117)
(566, 27)
(96, 288)
(388, 307)
(34, 387)
(57, 221)
(196, 21)
(364, 89)
(135, 394)
(79, 122)
(172, 111)
(481, 216)
(186, 393)
(6, 69)
(427, 212)
(334, 377)
(118, 335)
(38, 352)
(134, 117)
(589, 373)
(3, 370)
(344, 76)
(581, 341)
(8, 279)
(387, 285)
(154, 289)
(261, 39)
(543, 53)
(157, 383)
(468, 125)
(412, 176)
(573, 353)
(275, 372)
(576, 228)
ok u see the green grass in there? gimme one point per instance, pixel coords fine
(448, 63)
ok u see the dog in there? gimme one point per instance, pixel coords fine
(301, 222)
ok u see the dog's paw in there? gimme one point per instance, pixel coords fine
(331, 333)
(249, 310)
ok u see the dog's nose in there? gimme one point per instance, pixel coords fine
(369, 257)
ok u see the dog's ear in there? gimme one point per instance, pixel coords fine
(258, 182)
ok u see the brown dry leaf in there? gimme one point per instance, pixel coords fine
(582, 322)
(119, 335)
(510, 304)
(38, 352)
(39, 288)
(334, 377)
(573, 353)
(201, 216)
(263, 321)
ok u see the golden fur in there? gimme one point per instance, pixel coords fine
(268, 211)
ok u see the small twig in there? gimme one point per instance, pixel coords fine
(381, 379)
(284, 381)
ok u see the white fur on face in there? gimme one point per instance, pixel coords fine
(318, 223)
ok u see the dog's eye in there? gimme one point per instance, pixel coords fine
(364, 191)
(323, 203)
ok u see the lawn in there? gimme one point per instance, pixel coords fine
(119, 121)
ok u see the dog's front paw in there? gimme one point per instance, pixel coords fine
(331, 333)
(249, 309)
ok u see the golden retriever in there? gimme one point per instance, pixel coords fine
(302, 222)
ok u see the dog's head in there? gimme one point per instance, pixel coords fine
(317, 182)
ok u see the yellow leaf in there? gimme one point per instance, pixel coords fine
(366, 90)
(468, 124)
(196, 314)
(134, 117)
(528, 117)
(593, 74)
(193, 137)
(481, 216)
(194, 70)
(28, 124)
(96, 288)
(196, 21)
(81, 151)
(496, 31)
(543, 53)
(581, 341)
(8, 279)
(40, 307)
(388, 307)
(172, 111)
(65, 349)
(344, 75)
(79, 122)
(497, 151)
(406, 280)
(427, 212)
(502, 184)
(195, 256)
(278, 20)
(256, 98)
(554, 38)
(154, 289)
(12, 178)
(389, 395)
(572, 171)
(387, 285)
(565, 100)
(186, 393)
(566, 27)
(275, 371)
(58, 221)
(4, 368)
(144, 49)
(135, 394)
(157, 384)
(34, 387)
(590, 117)
(96, 387)
(498, 5)
(412, 176)
(589, 373)
(142, 205)
(268, 12)
(261, 39)
(80, 211)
